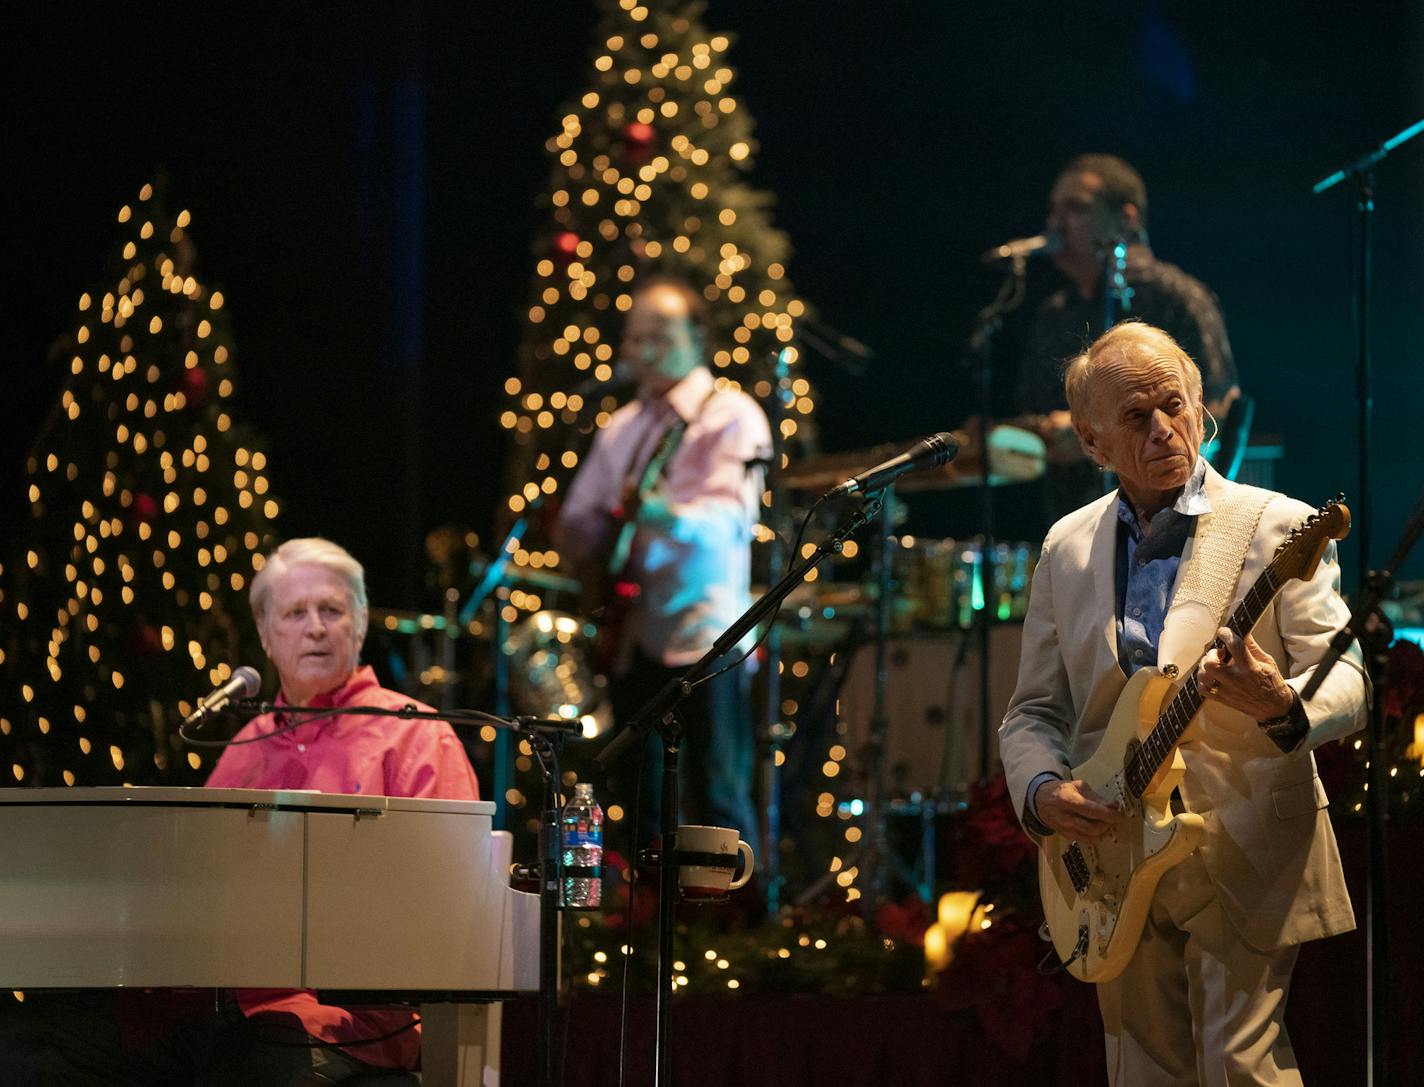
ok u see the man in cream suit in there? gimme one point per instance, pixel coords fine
(1141, 578)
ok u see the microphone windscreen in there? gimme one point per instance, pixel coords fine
(251, 681)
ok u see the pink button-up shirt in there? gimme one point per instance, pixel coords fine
(349, 753)
(694, 573)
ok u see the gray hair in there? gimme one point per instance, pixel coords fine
(311, 551)
(1132, 339)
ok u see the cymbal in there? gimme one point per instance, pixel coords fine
(1016, 455)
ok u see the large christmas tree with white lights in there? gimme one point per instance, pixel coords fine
(124, 589)
(647, 180)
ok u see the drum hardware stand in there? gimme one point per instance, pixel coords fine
(871, 856)
(549, 872)
(956, 668)
(1362, 170)
(661, 714)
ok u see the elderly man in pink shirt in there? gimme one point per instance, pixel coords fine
(309, 601)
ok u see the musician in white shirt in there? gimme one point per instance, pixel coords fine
(691, 557)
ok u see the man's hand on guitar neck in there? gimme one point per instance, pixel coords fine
(1238, 673)
(1072, 809)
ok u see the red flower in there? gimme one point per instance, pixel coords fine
(1404, 695)
(904, 921)
(991, 844)
(616, 885)
(995, 971)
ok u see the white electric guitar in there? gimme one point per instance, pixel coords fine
(1096, 896)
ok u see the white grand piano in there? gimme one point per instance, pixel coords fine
(364, 898)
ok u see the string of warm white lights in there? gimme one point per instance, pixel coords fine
(150, 511)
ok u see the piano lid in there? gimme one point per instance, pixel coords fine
(272, 799)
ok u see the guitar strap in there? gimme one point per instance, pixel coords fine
(651, 472)
(1219, 549)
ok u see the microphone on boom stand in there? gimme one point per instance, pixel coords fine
(1040, 245)
(931, 452)
(242, 684)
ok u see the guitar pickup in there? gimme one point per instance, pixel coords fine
(1077, 868)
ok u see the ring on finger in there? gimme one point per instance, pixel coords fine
(1214, 689)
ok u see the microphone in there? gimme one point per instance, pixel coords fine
(243, 683)
(929, 452)
(1023, 248)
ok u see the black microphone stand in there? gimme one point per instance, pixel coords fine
(875, 859)
(988, 322)
(661, 714)
(1377, 915)
(546, 737)
(1368, 625)
(774, 731)
(1117, 294)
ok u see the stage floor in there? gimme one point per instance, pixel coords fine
(924, 1039)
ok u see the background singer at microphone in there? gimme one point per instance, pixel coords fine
(1096, 200)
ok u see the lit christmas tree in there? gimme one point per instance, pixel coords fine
(646, 180)
(124, 593)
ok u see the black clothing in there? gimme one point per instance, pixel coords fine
(1163, 295)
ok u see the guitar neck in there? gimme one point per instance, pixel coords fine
(1172, 723)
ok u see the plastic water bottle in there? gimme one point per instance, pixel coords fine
(581, 828)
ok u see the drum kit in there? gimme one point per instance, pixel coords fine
(545, 666)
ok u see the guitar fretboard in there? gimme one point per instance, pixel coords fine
(1159, 744)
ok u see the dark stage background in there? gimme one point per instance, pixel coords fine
(362, 185)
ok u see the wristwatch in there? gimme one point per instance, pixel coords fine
(1287, 730)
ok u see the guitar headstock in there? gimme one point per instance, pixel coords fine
(1299, 553)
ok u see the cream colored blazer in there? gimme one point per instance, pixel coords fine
(1268, 848)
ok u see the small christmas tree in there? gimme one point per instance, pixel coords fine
(124, 591)
(646, 180)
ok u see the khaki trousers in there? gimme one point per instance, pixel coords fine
(1196, 1005)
